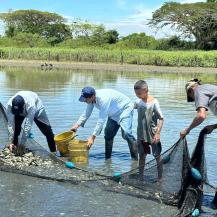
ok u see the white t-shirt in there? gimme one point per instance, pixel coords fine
(112, 104)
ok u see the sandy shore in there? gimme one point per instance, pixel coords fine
(109, 67)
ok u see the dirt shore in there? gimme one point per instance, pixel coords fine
(109, 67)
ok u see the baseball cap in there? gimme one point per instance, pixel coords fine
(191, 84)
(17, 105)
(86, 92)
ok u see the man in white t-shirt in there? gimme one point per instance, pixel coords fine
(114, 106)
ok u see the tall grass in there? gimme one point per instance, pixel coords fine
(99, 55)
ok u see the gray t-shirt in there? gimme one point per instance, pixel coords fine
(206, 97)
(148, 116)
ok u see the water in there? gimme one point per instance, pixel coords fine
(60, 90)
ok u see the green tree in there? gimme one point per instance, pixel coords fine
(82, 28)
(29, 40)
(97, 38)
(56, 33)
(36, 22)
(10, 31)
(111, 36)
(174, 43)
(198, 20)
(137, 40)
(92, 34)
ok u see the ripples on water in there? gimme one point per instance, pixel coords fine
(60, 90)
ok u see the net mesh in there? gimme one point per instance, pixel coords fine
(174, 170)
(177, 186)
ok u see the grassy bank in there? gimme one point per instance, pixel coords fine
(100, 55)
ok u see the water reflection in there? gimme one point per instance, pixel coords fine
(206, 78)
(39, 81)
(60, 90)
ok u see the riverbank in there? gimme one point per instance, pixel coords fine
(104, 66)
(176, 58)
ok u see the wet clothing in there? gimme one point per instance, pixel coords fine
(148, 117)
(147, 148)
(111, 130)
(44, 128)
(118, 108)
(33, 111)
(206, 97)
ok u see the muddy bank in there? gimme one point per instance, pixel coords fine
(26, 196)
(109, 67)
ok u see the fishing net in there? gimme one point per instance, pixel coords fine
(177, 187)
(192, 189)
(42, 164)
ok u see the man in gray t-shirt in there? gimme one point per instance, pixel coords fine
(205, 98)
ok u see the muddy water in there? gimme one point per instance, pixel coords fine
(60, 90)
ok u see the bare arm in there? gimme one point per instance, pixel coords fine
(200, 117)
(83, 118)
(157, 134)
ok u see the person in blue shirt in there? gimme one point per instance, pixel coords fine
(115, 106)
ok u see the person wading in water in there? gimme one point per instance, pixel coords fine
(150, 122)
(27, 105)
(115, 106)
(205, 98)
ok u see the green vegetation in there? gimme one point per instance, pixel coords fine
(196, 19)
(133, 56)
(37, 35)
(49, 26)
(32, 28)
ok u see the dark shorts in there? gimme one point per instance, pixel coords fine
(147, 148)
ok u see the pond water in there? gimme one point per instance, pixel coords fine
(59, 91)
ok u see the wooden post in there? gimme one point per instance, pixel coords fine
(49, 56)
(106, 58)
(77, 57)
(57, 57)
(216, 62)
(122, 58)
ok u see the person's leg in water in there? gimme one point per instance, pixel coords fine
(111, 130)
(143, 149)
(142, 158)
(46, 129)
(126, 129)
(156, 150)
(214, 202)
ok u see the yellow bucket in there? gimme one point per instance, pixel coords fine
(62, 141)
(78, 152)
